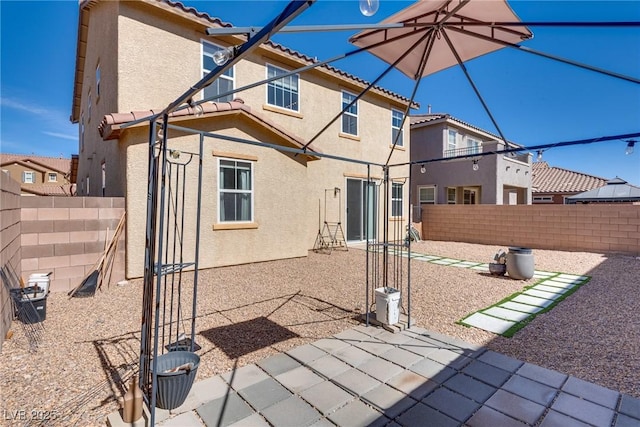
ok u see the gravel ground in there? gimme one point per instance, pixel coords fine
(248, 312)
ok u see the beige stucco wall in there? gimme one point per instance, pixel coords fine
(158, 59)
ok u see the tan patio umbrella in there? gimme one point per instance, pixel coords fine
(444, 33)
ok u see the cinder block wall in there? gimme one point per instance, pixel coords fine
(9, 244)
(66, 236)
(589, 228)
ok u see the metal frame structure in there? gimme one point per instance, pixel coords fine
(164, 247)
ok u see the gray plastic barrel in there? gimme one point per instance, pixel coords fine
(173, 387)
(520, 264)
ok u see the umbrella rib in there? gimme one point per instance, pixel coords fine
(473, 85)
(369, 86)
(423, 64)
(549, 56)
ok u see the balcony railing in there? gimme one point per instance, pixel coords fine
(464, 151)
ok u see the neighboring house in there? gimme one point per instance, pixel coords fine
(136, 56)
(552, 185)
(616, 190)
(39, 175)
(501, 179)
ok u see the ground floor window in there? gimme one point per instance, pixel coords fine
(451, 195)
(470, 196)
(235, 189)
(396, 199)
(427, 195)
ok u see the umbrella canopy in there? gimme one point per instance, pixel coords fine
(432, 27)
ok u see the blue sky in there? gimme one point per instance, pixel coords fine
(534, 100)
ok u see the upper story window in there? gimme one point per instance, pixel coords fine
(427, 195)
(103, 168)
(396, 199)
(97, 82)
(53, 177)
(87, 193)
(82, 132)
(89, 106)
(29, 177)
(350, 115)
(396, 127)
(461, 145)
(235, 188)
(223, 84)
(284, 92)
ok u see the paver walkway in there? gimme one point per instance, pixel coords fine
(367, 376)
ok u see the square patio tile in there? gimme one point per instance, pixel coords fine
(489, 323)
(592, 392)
(506, 314)
(470, 387)
(630, 406)
(374, 346)
(452, 404)
(380, 369)
(432, 370)
(353, 355)
(423, 348)
(187, 419)
(329, 366)
(299, 379)
(423, 415)
(556, 419)
(204, 391)
(356, 381)
(264, 394)
(326, 397)
(449, 358)
(529, 389)
(625, 421)
(542, 375)
(351, 335)
(330, 344)
(291, 412)
(224, 411)
(357, 414)
(516, 406)
(306, 353)
(254, 420)
(487, 373)
(501, 361)
(391, 338)
(401, 357)
(525, 308)
(583, 410)
(412, 384)
(487, 417)
(244, 377)
(278, 364)
(388, 400)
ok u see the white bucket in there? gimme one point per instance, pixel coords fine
(41, 280)
(388, 305)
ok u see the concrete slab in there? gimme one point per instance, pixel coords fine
(331, 344)
(516, 406)
(244, 377)
(432, 370)
(326, 397)
(356, 382)
(625, 421)
(452, 404)
(487, 373)
(529, 389)
(630, 406)
(306, 353)
(278, 364)
(401, 357)
(374, 346)
(291, 412)
(527, 299)
(329, 366)
(187, 419)
(542, 375)
(583, 410)
(254, 420)
(591, 392)
(420, 347)
(388, 400)
(470, 387)
(357, 414)
(392, 338)
(542, 294)
(506, 314)
(487, 417)
(421, 414)
(488, 323)
(465, 264)
(450, 358)
(353, 355)
(380, 369)
(552, 289)
(556, 419)
(558, 284)
(264, 394)
(351, 335)
(412, 384)
(481, 267)
(202, 392)
(567, 276)
(525, 308)
(299, 379)
(224, 411)
(500, 360)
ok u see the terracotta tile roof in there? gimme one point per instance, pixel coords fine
(549, 179)
(433, 117)
(49, 189)
(40, 163)
(110, 128)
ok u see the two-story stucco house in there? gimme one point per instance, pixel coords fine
(501, 179)
(258, 203)
(40, 175)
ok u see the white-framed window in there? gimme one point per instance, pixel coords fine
(8, 172)
(396, 199)
(396, 127)
(473, 145)
(427, 195)
(89, 106)
(543, 199)
(97, 82)
(451, 195)
(28, 177)
(452, 143)
(350, 115)
(82, 132)
(224, 83)
(53, 177)
(103, 168)
(235, 189)
(284, 92)
(470, 196)
(87, 185)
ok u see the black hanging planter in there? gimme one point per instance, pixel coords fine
(173, 387)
